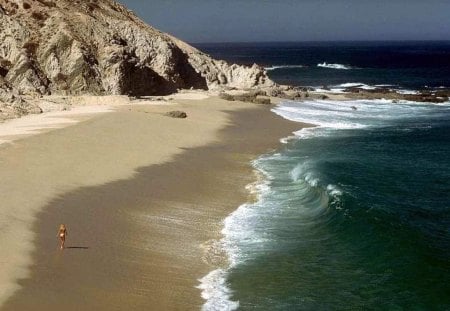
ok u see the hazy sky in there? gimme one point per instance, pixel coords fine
(297, 20)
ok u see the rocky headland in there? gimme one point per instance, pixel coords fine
(98, 47)
(50, 49)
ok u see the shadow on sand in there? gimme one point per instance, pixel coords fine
(76, 247)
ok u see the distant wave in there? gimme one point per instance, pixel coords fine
(340, 88)
(283, 67)
(330, 115)
(378, 86)
(407, 92)
(334, 66)
(357, 85)
(343, 88)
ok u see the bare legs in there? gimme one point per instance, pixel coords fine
(63, 241)
(62, 233)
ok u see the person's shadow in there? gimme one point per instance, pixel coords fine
(77, 247)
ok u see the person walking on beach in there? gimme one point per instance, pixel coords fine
(62, 233)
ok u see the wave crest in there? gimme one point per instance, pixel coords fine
(271, 68)
(334, 66)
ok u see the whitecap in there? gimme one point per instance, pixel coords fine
(334, 66)
(350, 84)
(407, 92)
(329, 115)
(246, 228)
(271, 68)
(357, 85)
(333, 190)
(331, 90)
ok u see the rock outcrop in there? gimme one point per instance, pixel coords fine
(99, 47)
(177, 114)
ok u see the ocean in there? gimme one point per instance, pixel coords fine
(353, 214)
(415, 65)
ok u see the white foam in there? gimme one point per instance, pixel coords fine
(304, 171)
(286, 139)
(309, 132)
(367, 87)
(243, 228)
(216, 293)
(246, 228)
(364, 86)
(336, 193)
(357, 85)
(271, 68)
(296, 172)
(322, 113)
(329, 115)
(350, 84)
(213, 285)
(340, 88)
(407, 92)
(334, 66)
(331, 90)
(334, 190)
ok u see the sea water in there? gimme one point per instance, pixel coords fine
(409, 65)
(353, 214)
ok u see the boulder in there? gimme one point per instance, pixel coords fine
(262, 101)
(177, 114)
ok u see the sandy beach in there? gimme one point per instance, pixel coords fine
(142, 195)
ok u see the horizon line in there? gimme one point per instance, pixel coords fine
(319, 41)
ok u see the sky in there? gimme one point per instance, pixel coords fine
(199, 21)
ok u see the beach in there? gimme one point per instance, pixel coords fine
(143, 196)
(275, 163)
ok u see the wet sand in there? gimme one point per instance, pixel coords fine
(135, 236)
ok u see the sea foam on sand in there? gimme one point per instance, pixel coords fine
(38, 169)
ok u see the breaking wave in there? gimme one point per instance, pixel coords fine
(334, 66)
(271, 68)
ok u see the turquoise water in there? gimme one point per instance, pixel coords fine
(352, 215)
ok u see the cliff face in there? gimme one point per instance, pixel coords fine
(100, 47)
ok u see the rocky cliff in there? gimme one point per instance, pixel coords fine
(99, 47)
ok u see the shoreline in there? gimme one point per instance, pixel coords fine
(54, 285)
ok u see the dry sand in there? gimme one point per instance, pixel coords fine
(63, 111)
(20, 128)
(140, 193)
